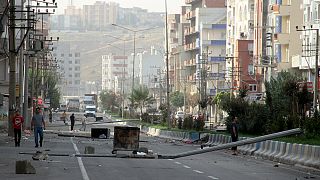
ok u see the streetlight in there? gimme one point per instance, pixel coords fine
(123, 70)
(315, 93)
(134, 47)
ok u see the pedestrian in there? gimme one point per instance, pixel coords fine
(72, 119)
(39, 125)
(64, 117)
(17, 124)
(50, 115)
(83, 123)
(234, 134)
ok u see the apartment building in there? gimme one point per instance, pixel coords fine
(205, 46)
(115, 71)
(100, 15)
(304, 62)
(69, 62)
(240, 66)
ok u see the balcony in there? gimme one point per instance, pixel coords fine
(282, 38)
(190, 1)
(214, 42)
(283, 10)
(189, 47)
(189, 30)
(190, 62)
(190, 14)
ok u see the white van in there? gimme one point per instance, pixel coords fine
(179, 114)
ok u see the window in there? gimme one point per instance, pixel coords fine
(77, 75)
(54, 54)
(77, 54)
(77, 61)
(70, 62)
(250, 69)
(62, 55)
(70, 55)
(70, 68)
(77, 68)
(70, 75)
(252, 87)
(70, 82)
(77, 82)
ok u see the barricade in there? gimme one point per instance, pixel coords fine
(305, 155)
(297, 155)
(270, 150)
(290, 155)
(280, 152)
(263, 149)
(314, 160)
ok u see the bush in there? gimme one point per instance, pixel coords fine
(187, 123)
(145, 118)
(312, 126)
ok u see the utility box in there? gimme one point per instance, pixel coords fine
(100, 133)
(126, 138)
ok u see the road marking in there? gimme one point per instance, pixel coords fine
(170, 159)
(197, 171)
(82, 168)
(188, 167)
(177, 162)
(211, 177)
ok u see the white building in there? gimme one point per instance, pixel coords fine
(69, 62)
(305, 61)
(115, 72)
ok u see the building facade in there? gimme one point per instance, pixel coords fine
(69, 60)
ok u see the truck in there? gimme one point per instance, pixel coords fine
(90, 111)
(73, 105)
(92, 97)
(89, 99)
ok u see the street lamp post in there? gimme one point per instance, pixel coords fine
(316, 78)
(123, 71)
(134, 47)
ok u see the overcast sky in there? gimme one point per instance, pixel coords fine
(151, 5)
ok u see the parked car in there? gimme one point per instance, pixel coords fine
(179, 114)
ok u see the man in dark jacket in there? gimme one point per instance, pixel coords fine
(234, 134)
(72, 119)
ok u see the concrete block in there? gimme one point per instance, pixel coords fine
(24, 167)
(89, 150)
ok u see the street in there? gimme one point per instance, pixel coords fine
(214, 165)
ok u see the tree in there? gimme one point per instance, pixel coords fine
(140, 97)
(109, 100)
(177, 99)
(53, 92)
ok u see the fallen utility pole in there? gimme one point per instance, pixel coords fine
(189, 153)
(238, 143)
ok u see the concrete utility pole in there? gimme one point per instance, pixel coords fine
(12, 66)
(167, 66)
(316, 74)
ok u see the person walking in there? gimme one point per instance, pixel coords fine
(234, 134)
(72, 119)
(39, 125)
(83, 123)
(64, 117)
(17, 124)
(50, 115)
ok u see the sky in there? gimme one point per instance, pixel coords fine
(151, 5)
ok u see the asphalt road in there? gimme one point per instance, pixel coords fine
(214, 165)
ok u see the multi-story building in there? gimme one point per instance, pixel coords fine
(69, 62)
(100, 15)
(305, 61)
(205, 44)
(115, 71)
(240, 34)
(284, 16)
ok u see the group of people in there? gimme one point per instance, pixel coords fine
(72, 121)
(38, 125)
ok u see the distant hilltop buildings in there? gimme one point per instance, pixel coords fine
(100, 16)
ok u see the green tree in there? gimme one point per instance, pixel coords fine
(140, 96)
(53, 92)
(109, 100)
(177, 99)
